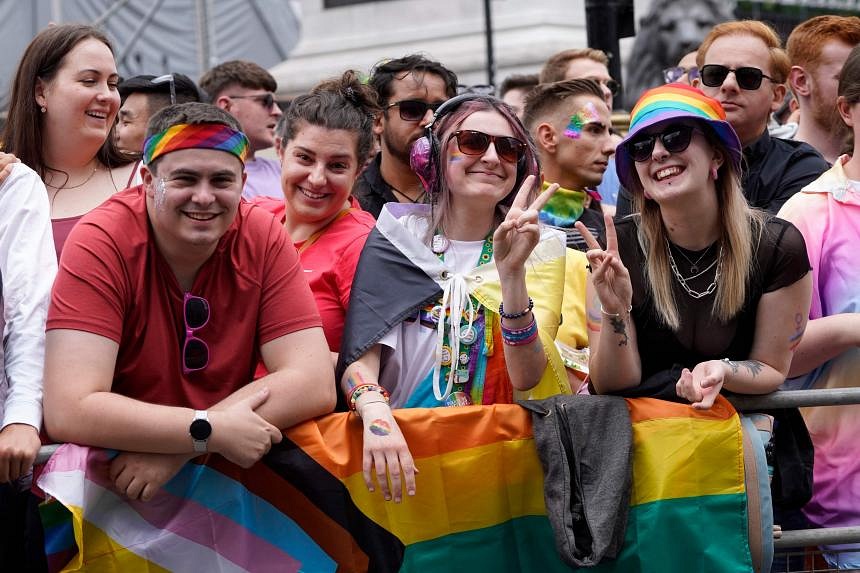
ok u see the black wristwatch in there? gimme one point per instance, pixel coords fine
(200, 431)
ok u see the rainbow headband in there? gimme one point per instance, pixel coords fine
(195, 136)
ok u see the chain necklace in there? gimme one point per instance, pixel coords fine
(694, 266)
(683, 281)
(81, 184)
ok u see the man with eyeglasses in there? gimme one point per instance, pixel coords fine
(685, 72)
(743, 66)
(170, 294)
(817, 49)
(247, 92)
(410, 89)
(142, 96)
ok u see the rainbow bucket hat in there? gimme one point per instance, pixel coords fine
(668, 102)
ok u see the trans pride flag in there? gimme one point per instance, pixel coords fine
(479, 503)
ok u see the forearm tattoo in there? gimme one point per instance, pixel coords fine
(352, 381)
(795, 338)
(619, 327)
(751, 366)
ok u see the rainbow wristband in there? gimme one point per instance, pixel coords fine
(520, 336)
(358, 391)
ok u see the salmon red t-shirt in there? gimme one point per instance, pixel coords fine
(114, 282)
(329, 263)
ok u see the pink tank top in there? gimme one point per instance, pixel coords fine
(62, 228)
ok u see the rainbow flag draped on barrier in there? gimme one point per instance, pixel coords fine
(479, 505)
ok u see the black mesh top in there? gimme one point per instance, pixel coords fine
(780, 260)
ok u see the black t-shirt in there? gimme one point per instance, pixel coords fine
(780, 259)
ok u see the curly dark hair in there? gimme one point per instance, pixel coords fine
(386, 72)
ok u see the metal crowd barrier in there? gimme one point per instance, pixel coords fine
(789, 539)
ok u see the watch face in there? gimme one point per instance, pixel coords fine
(200, 429)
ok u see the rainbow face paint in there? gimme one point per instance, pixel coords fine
(456, 155)
(588, 114)
(380, 427)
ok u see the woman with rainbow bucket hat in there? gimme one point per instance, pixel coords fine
(697, 292)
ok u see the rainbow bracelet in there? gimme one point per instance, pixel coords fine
(358, 391)
(520, 336)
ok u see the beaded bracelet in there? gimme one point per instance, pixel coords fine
(514, 315)
(614, 314)
(356, 393)
(520, 336)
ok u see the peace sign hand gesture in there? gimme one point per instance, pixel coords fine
(515, 239)
(610, 277)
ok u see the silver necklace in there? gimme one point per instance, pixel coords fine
(694, 266)
(683, 281)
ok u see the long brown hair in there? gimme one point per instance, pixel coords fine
(23, 133)
(740, 228)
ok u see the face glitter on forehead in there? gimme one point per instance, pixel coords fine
(588, 114)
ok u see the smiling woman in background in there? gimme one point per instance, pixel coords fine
(63, 105)
(325, 138)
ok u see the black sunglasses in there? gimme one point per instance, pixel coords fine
(266, 100)
(748, 78)
(413, 109)
(195, 352)
(675, 139)
(613, 86)
(473, 142)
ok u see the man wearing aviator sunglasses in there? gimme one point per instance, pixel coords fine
(246, 91)
(743, 66)
(410, 90)
(170, 296)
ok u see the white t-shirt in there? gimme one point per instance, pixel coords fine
(264, 179)
(409, 349)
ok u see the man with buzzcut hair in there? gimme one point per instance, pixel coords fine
(410, 90)
(817, 49)
(247, 92)
(743, 66)
(569, 122)
(170, 294)
(141, 97)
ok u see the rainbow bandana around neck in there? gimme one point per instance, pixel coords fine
(195, 136)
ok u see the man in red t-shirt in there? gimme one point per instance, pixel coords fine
(168, 295)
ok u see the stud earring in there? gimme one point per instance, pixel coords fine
(44, 109)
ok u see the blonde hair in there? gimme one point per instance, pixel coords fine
(779, 62)
(740, 229)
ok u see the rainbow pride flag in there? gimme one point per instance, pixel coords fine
(479, 503)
